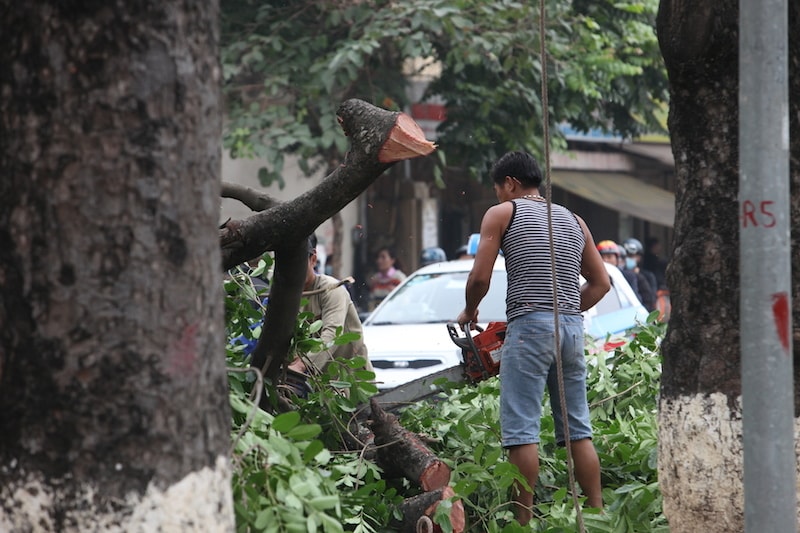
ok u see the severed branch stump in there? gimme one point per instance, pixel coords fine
(378, 139)
(418, 510)
(401, 451)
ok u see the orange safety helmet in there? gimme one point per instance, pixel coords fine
(608, 247)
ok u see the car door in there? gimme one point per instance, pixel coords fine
(618, 311)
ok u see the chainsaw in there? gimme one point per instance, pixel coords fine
(481, 353)
(480, 360)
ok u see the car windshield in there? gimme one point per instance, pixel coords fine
(437, 298)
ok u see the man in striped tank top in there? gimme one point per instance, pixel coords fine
(519, 226)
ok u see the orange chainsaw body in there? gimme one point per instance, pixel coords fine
(481, 352)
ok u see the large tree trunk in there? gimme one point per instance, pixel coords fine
(700, 412)
(112, 381)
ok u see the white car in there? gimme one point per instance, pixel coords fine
(407, 335)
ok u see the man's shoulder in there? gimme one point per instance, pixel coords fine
(324, 281)
(328, 291)
(565, 212)
(500, 209)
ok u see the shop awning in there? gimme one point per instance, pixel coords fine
(621, 193)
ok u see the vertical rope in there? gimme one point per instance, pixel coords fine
(557, 325)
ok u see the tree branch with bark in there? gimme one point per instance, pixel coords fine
(378, 139)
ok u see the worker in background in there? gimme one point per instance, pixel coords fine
(388, 276)
(330, 302)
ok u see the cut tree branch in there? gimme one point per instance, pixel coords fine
(291, 264)
(254, 199)
(418, 510)
(401, 451)
(378, 139)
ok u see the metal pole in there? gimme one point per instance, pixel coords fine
(766, 340)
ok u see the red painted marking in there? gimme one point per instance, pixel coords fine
(769, 218)
(183, 355)
(780, 311)
(748, 213)
(758, 215)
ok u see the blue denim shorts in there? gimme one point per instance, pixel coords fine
(528, 363)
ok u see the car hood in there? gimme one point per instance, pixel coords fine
(403, 353)
(403, 340)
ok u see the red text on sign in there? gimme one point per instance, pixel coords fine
(758, 214)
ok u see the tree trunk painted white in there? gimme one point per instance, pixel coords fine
(113, 388)
(201, 501)
(700, 468)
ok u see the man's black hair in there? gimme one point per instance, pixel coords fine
(519, 165)
(312, 243)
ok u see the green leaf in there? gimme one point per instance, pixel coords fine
(330, 525)
(346, 338)
(323, 457)
(304, 432)
(367, 387)
(322, 503)
(312, 450)
(285, 422)
(365, 375)
(263, 518)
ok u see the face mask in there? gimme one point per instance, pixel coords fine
(630, 263)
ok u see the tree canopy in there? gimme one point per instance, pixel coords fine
(287, 65)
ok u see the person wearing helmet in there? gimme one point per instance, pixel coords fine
(633, 246)
(462, 252)
(646, 280)
(428, 256)
(611, 252)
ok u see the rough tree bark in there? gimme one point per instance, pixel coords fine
(401, 452)
(112, 385)
(378, 139)
(417, 510)
(700, 428)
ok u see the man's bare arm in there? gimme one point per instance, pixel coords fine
(494, 223)
(593, 269)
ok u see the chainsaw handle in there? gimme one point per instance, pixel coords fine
(479, 363)
(465, 342)
(473, 325)
(458, 340)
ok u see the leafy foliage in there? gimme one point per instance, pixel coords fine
(287, 66)
(623, 387)
(295, 471)
(305, 471)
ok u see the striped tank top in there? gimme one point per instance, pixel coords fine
(526, 247)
